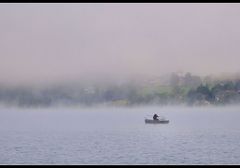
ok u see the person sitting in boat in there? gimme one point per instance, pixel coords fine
(155, 117)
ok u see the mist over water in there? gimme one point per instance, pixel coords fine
(119, 136)
(78, 80)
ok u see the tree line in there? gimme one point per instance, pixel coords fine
(177, 89)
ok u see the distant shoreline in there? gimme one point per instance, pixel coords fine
(175, 89)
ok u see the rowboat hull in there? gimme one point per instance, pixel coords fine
(149, 121)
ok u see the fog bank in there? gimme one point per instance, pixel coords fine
(44, 43)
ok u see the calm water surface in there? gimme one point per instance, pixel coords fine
(120, 136)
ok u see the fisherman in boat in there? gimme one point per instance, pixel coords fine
(155, 117)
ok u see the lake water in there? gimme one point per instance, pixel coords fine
(120, 136)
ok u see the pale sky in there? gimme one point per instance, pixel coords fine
(52, 42)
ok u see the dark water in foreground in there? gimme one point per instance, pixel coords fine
(120, 136)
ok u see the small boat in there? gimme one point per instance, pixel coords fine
(160, 121)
